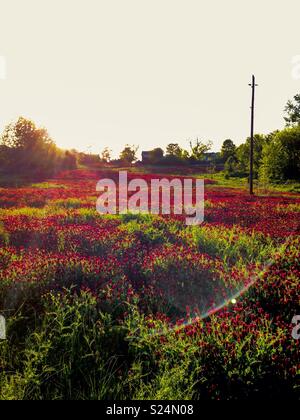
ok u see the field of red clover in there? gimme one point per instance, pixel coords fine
(139, 306)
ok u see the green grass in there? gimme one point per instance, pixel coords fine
(233, 245)
(260, 188)
(71, 203)
(48, 185)
(70, 344)
(76, 352)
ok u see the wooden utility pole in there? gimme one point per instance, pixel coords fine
(253, 86)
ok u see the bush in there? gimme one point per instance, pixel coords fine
(28, 152)
(281, 157)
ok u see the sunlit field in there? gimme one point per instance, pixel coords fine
(145, 307)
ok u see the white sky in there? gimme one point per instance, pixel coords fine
(148, 72)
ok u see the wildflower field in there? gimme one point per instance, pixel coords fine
(145, 307)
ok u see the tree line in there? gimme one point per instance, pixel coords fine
(276, 155)
(28, 151)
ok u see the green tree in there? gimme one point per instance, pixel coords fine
(281, 157)
(228, 150)
(199, 148)
(106, 155)
(231, 166)
(129, 154)
(292, 110)
(174, 150)
(29, 150)
(176, 155)
(243, 154)
(24, 134)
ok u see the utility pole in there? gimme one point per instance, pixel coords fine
(253, 86)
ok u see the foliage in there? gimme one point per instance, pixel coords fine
(281, 157)
(85, 317)
(292, 110)
(243, 153)
(28, 151)
(128, 154)
(106, 155)
(198, 149)
(228, 150)
(231, 166)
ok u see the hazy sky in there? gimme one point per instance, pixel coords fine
(148, 72)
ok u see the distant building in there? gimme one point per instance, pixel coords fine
(210, 156)
(152, 157)
(146, 157)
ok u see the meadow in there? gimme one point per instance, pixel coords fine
(144, 307)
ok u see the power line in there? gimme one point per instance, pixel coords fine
(253, 86)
